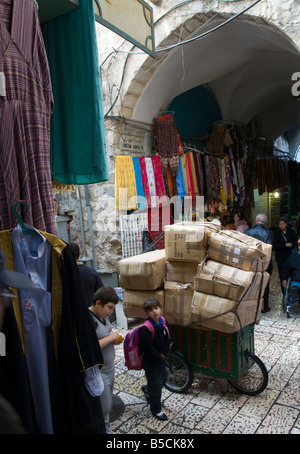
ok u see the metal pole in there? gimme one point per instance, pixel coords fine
(87, 204)
(81, 222)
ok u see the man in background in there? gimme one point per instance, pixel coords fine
(260, 232)
(90, 278)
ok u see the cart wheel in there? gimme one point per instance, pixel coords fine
(255, 380)
(180, 373)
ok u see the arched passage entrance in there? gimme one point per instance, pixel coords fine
(248, 65)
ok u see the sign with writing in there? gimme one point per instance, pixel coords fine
(131, 19)
(133, 139)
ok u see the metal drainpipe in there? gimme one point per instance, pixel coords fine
(81, 222)
(87, 204)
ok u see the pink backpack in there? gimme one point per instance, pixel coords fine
(133, 360)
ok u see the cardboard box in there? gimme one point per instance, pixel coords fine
(228, 282)
(239, 250)
(133, 301)
(143, 272)
(217, 313)
(183, 272)
(186, 241)
(178, 302)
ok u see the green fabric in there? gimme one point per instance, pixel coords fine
(77, 134)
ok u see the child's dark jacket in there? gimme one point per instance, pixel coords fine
(154, 347)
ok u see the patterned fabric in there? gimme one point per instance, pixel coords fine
(159, 181)
(142, 203)
(125, 184)
(151, 181)
(189, 175)
(167, 143)
(25, 109)
(180, 181)
(145, 180)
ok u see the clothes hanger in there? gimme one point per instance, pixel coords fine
(19, 217)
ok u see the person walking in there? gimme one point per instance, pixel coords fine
(260, 232)
(285, 240)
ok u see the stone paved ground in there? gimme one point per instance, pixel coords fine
(212, 406)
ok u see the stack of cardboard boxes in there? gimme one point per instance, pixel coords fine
(205, 276)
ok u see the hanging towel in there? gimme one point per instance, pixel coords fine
(78, 149)
(125, 184)
(142, 202)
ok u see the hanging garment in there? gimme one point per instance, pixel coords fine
(63, 330)
(167, 143)
(189, 175)
(26, 104)
(125, 184)
(151, 181)
(160, 189)
(145, 180)
(194, 176)
(142, 202)
(78, 149)
(181, 191)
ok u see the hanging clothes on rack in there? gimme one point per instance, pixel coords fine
(151, 181)
(25, 110)
(55, 338)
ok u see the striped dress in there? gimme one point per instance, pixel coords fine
(26, 105)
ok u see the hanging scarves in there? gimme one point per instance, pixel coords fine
(125, 184)
(180, 181)
(78, 150)
(142, 202)
(159, 181)
(145, 180)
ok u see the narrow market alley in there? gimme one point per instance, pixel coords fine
(212, 406)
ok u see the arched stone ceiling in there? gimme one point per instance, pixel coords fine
(249, 68)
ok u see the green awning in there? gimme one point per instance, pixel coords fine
(77, 135)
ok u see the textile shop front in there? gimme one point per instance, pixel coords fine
(213, 177)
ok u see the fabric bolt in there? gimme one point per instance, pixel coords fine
(26, 106)
(125, 184)
(142, 202)
(160, 189)
(78, 148)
